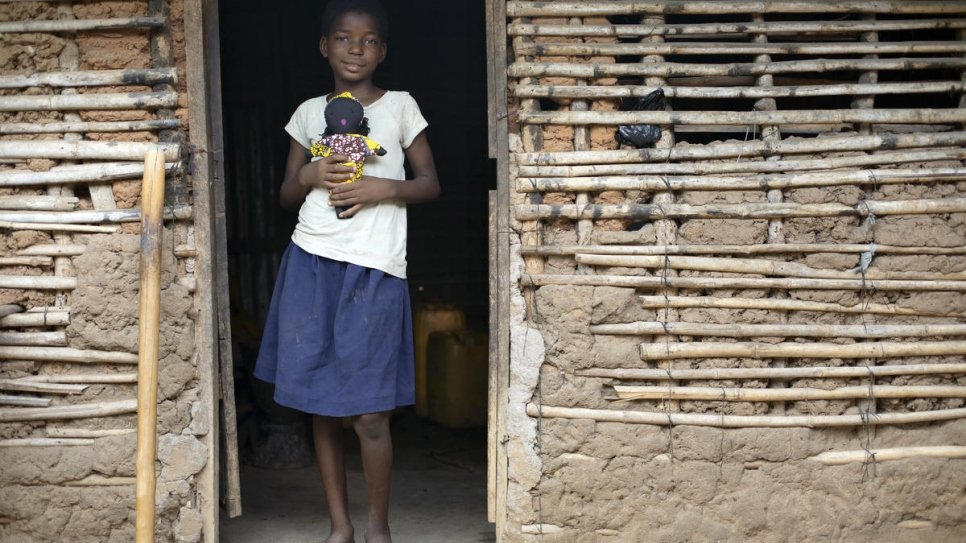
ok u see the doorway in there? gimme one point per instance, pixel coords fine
(270, 63)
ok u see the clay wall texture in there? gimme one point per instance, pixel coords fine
(585, 464)
(72, 478)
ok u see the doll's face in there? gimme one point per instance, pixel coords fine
(343, 115)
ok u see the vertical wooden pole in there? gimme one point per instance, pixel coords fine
(152, 199)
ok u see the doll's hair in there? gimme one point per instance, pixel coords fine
(337, 8)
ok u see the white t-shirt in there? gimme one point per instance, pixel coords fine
(375, 237)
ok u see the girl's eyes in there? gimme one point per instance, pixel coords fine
(367, 41)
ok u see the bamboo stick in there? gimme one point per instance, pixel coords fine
(153, 125)
(742, 330)
(729, 394)
(84, 150)
(44, 442)
(52, 249)
(85, 433)
(812, 372)
(38, 202)
(90, 216)
(96, 101)
(881, 349)
(759, 166)
(95, 378)
(785, 283)
(758, 182)
(98, 480)
(741, 29)
(883, 116)
(50, 339)
(64, 412)
(751, 210)
(753, 249)
(38, 282)
(80, 25)
(733, 48)
(741, 421)
(94, 78)
(8, 225)
(32, 320)
(152, 227)
(797, 91)
(713, 7)
(705, 302)
(24, 401)
(872, 142)
(21, 385)
(756, 266)
(10, 309)
(39, 261)
(838, 458)
(66, 354)
(77, 173)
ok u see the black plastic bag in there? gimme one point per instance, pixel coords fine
(641, 135)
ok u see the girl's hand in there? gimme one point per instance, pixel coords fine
(326, 172)
(367, 190)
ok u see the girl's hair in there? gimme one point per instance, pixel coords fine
(337, 8)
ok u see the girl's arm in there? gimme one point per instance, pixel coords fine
(301, 175)
(423, 187)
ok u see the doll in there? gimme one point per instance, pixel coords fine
(346, 131)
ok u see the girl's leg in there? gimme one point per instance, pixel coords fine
(376, 444)
(331, 456)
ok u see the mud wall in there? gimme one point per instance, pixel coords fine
(607, 281)
(67, 450)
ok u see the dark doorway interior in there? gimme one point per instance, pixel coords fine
(270, 64)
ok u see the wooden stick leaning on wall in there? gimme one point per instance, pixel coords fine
(882, 349)
(744, 330)
(740, 421)
(732, 394)
(838, 458)
(812, 372)
(149, 322)
(638, 281)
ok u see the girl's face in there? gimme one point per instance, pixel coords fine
(353, 47)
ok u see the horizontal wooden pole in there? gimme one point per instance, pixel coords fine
(90, 126)
(38, 202)
(80, 25)
(52, 227)
(44, 442)
(751, 148)
(78, 173)
(785, 304)
(85, 150)
(93, 101)
(28, 320)
(66, 354)
(838, 458)
(21, 385)
(659, 166)
(39, 261)
(743, 330)
(86, 433)
(99, 480)
(784, 283)
(798, 91)
(64, 412)
(728, 374)
(714, 7)
(38, 282)
(741, 421)
(743, 28)
(92, 78)
(24, 401)
(91, 216)
(731, 394)
(748, 182)
(743, 250)
(733, 48)
(756, 266)
(881, 349)
(751, 210)
(53, 249)
(86, 378)
(750, 118)
(48, 339)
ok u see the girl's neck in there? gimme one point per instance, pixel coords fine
(366, 93)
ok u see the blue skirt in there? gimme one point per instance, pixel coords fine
(338, 339)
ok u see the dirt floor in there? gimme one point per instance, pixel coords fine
(438, 494)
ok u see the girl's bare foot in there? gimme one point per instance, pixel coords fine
(340, 536)
(378, 534)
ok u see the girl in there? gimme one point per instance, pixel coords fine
(338, 338)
